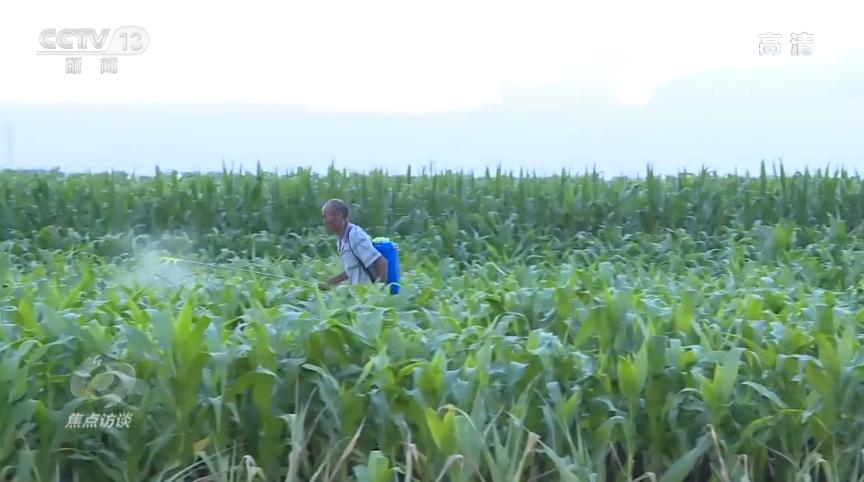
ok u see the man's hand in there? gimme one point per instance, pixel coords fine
(333, 281)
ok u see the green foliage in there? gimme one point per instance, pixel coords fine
(679, 329)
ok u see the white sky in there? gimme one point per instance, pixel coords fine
(405, 56)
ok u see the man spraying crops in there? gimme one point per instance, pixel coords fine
(361, 260)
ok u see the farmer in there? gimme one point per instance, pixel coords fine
(354, 245)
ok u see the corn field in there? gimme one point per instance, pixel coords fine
(568, 328)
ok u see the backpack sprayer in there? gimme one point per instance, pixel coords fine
(390, 251)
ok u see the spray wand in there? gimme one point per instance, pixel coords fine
(173, 260)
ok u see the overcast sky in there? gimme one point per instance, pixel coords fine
(466, 84)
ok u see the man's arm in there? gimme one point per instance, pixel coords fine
(381, 268)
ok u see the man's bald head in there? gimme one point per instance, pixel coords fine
(335, 214)
(336, 206)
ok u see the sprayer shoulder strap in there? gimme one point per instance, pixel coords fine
(350, 247)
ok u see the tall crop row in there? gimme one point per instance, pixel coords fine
(110, 203)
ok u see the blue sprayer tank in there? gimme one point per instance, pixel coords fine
(390, 251)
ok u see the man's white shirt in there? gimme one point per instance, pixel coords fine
(361, 242)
